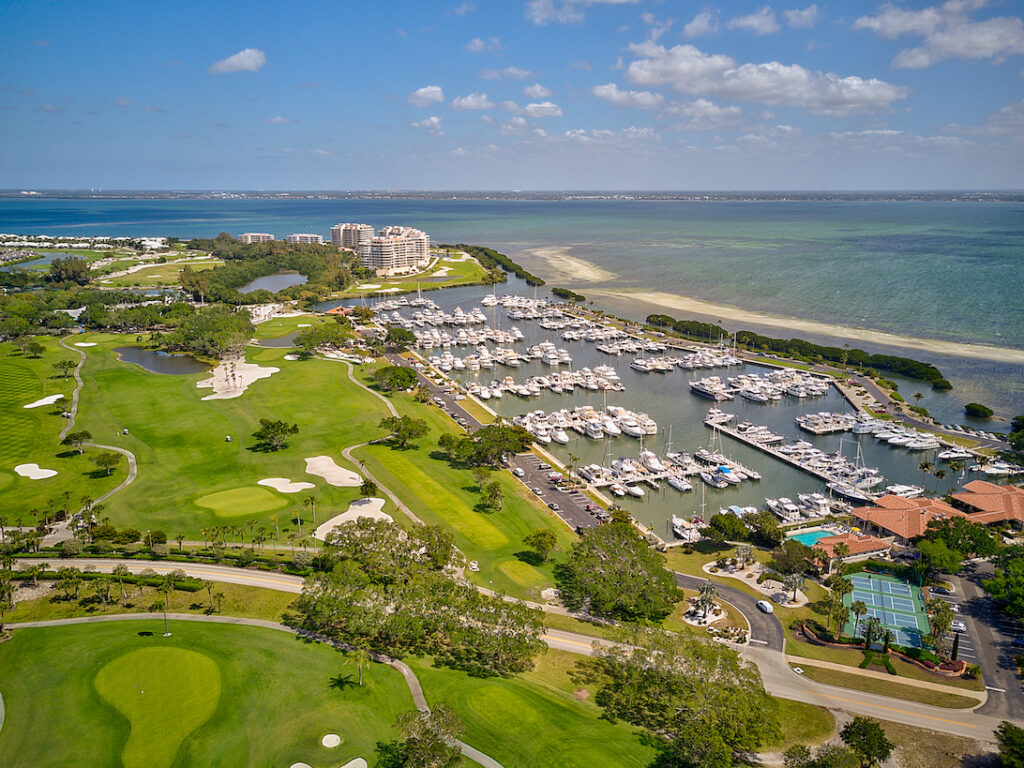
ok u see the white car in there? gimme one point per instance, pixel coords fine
(958, 626)
(518, 472)
(765, 607)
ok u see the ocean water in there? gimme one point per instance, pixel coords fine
(931, 270)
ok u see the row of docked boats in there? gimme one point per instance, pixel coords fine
(589, 422)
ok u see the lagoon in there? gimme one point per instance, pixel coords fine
(274, 283)
(156, 361)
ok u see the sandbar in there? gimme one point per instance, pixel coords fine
(85, 343)
(676, 303)
(359, 508)
(34, 471)
(325, 467)
(284, 485)
(232, 377)
(558, 261)
(48, 400)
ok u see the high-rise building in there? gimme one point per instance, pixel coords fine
(255, 237)
(299, 239)
(395, 250)
(351, 235)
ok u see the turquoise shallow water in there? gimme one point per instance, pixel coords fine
(941, 270)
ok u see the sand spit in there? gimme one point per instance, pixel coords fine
(284, 485)
(34, 471)
(232, 377)
(359, 508)
(569, 268)
(325, 467)
(669, 301)
(48, 400)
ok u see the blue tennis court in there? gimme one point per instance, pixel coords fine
(896, 604)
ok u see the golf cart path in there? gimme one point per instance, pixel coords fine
(407, 674)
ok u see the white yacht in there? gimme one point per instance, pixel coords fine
(680, 483)
(650, 460)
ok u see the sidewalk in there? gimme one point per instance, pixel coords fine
(800, 661)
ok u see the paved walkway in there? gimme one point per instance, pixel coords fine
(415, 689)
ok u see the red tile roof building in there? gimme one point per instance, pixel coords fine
(988, 503)
(903, 519)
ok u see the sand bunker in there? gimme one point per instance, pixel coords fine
(34, 471)
(85, 343)
(304, 325)
(324, 466)
(331, 740)
(291, 357)
(360, 508)
(232, 377)
(48, 400)
(357, 763)
(301, 765)
(284, 485)
(367, 287)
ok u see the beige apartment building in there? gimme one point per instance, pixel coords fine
(255, 237)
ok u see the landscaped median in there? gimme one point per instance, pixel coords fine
(882, 685)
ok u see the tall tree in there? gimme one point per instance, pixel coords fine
(273, 434)
(403, 429)
(77, 440)
(542, 541)
(866, 737)
(430, 740)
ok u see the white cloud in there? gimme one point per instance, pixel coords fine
(658, 28)
(514, 127)
(53, 108)
(123, 101)
(762, 22)
(1008, 121)
(473, 101)
(510, 73)
(564, 11)
(427, 95)
(948, 33)
(537, 91)
(603, 135)
(610, 92)
(703, 115)
(432, 124)
(542, 109)
(688, 70)
(703, 23)
(278, 120)
(248, 60)
(463, 9)
(803, 19)
(478, 45)
(509, 106)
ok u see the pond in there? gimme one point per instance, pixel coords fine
(156, 361)
(274, 283)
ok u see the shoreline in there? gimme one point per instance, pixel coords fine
(670, 301)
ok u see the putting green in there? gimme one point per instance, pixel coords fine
(165, 693)
(240, 502)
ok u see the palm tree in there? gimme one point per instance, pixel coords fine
(887, 637)
(360, 656)
(839, 551)
(218, 596)
(119, 573)
(160, 605)
(794, 581)
(842, 616)
(925, 467)
(859, 609)
(706, 597)
(179, 538)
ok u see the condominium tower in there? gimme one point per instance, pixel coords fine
(255, 237)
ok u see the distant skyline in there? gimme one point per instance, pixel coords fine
(534, 95)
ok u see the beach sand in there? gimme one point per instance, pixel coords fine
(793, 326)
(569, 268)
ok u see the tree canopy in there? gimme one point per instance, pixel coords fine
(612, 572)
(702, 702)
(273, 434)
(394, 377)
(403, 428)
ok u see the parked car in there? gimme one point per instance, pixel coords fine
(940, 591)
(518, 472)
(553, 505)
(765, 607)
(958, 626)
(538, 491)
(1018, 642)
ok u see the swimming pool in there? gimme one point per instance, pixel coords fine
(810, 538)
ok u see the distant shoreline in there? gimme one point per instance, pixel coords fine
(787, 196)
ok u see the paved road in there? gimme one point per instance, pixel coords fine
(995, 633)
(778, 678)
(415, 689)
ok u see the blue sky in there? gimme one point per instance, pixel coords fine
(519, 94)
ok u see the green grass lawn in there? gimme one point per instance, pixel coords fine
(458, 273)
(534, 719)
(237, 600)
(30, 436)
(802, 724)
(190, 478)
(274, 704)
(155, 275)
(440, 493)
(887, 688)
